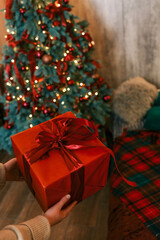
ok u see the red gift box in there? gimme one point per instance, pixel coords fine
(61, 156)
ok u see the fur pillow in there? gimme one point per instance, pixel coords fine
(132, 99)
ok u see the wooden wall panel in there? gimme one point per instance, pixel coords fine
(126, 34)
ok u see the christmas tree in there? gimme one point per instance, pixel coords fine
(49, 68)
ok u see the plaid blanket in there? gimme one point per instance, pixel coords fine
(138, 156)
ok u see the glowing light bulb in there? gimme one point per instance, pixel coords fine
(27, 81)
(83, 33)
(36, 108)
(89, 93)
(30, 125)
(30, 115)
(68, 89)
(64, 89)
(76, 62)
(93, 43)
(54, 100)
(28, 89)
(62, 102)
(11, 78)
(36, 81)
(5, 36)
(67, 51)
(12, 32)
(8, 84)
(39, 22)
(51, 37)
(13, 97)
(81, 84)
(55, 67)
(44, 31)
(68, 78)
(17, 87)
(20, 96)
(12, 60)
(37, 67)
(96, 93)
(65, 54)
(27, 68)
(37, 38)
(8, 30)
(86, 96)
(75, 29)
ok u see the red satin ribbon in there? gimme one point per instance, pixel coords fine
(9, 14)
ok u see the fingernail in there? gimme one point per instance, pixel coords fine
(68, 196)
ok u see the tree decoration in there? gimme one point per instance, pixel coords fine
(22, 10)
(50, 87)
(47, 59)
(49, 67)
(106, 98)
(9, 98)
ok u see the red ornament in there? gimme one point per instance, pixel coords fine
(106, 98)
(39, 54)
(56, 23)
(71, 49)
(49, 110)
(23, 68)
(70, 82)
(100, 80)
(66, 1)
(45, 111)
(47, 59)
(9, 98)
(43, 26)
(38, 95)
(25, 104)
(8, 125)
(50, 87)
(22, 10)
(80, 66)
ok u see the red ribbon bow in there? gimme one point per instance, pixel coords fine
(70, 134)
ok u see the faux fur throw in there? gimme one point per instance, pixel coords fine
(133, 98)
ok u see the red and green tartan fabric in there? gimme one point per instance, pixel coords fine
(138, 157)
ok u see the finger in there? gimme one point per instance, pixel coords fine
(68, 209)
(63, 201)
(11, 163)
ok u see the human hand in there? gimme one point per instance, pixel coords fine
(12, 170)
(55, 214)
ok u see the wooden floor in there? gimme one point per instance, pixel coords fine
(88, 220)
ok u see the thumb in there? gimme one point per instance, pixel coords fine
(63, 200)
